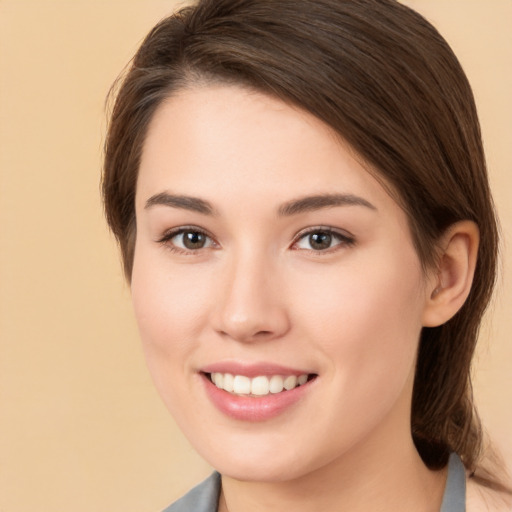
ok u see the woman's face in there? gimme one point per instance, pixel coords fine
(269, 260)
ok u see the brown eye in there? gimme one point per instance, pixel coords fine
(320, 241)
(194, 239)
(187, 239)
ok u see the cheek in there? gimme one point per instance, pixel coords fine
(169, 306)
(365, 316)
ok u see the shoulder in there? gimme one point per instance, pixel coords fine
(483, 499)
(202, 498)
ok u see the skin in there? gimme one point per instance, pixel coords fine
(258, 291)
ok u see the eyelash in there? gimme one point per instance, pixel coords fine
(344, 240)
(169, 235)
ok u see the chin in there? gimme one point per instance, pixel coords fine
(259, 472)
(258, 465)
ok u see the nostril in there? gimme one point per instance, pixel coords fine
(246, 334)
(263, 334)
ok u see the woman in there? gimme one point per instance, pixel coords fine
(300, 196)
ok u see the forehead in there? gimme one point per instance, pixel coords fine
(228, 140)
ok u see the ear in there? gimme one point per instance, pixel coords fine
(450, 284)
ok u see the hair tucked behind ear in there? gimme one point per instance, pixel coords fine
(389, 84)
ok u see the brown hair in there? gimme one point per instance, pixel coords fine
(381, 76)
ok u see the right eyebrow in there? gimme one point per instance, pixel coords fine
(194, 204)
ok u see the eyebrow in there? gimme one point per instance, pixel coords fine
(318, 202)
(194, 204)
(293, 207)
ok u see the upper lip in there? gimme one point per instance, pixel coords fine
(252, 369)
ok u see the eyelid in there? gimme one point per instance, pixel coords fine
(346, 238)
(169, 234)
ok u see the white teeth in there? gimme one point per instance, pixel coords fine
(218, 380)
(276, 384)
(228, 382)
(257, 386)
(290, 382)
(302, 380)
(260, 386)
(241, 385)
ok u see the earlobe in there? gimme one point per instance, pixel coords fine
(452, 282)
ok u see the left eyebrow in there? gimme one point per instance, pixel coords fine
(318, 202)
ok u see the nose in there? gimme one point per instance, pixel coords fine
(251, 301)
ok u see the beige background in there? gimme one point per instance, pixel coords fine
(81, 428)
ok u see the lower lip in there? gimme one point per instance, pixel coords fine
(261, 408)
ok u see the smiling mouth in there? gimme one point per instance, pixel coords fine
(261, 385)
